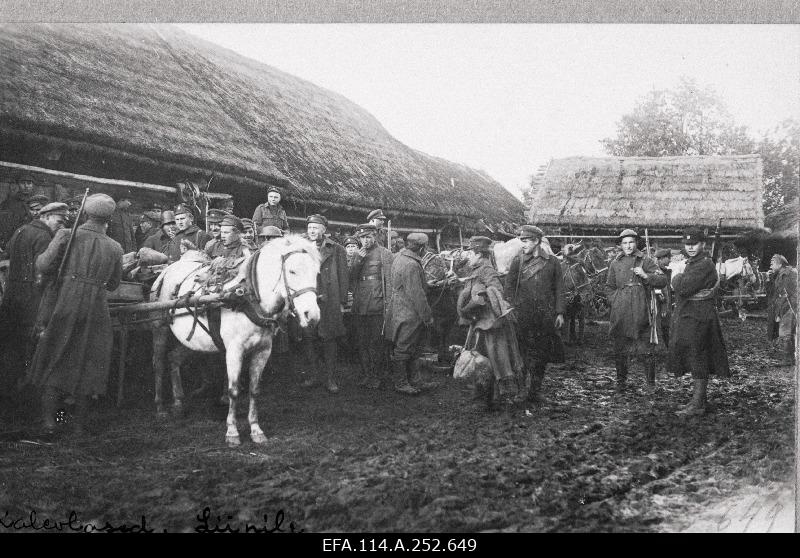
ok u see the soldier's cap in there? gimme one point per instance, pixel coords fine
(530, 231)
(248, 223)
(270, 231)
(693, 236)
(626, 233)
(350, 240)
(100, 206)
(366, 229)
(215, 215)
(780, 258)
(317, 218)
(232, 221)
(663, 253)
(183, 209)
(417, 239)
(54, 208)
(274, 189)
(376, 214)
(167, 217)
(149, 217)
(38, 198)
(479, 242)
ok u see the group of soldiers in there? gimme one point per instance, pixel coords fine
(55, 321)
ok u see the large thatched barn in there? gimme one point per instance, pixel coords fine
(599, 197)
(145, 107)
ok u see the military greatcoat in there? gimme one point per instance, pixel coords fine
(782, 297)
(332, 284)
(74, 352)
(408, 309)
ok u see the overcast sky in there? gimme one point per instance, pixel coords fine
(507, 98)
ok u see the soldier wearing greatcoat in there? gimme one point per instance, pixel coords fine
(631, 278)
(782, 307)
(409, 313)
(331, 296)
(25, 287)
(378, 220)
(535, 287)
(74, 352)
(696, 343)
(370, 275)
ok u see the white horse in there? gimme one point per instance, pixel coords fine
(504, 252)
(279, 278)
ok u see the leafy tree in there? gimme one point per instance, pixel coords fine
(780, 152)
(684, 121)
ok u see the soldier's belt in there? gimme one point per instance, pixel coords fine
(633, 285)
(87, 280)
(369, 277)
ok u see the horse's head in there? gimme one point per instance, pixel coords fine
(288, 267)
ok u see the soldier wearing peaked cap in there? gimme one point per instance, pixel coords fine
(535, 287)
(24, 291)
(370, 275)
(231, 254)
(74, 351)
(378, 219)
(249, 233)
(272, 212)
(213, 220)
(631, 278)
(187, 230)
(697, 345)
(332, 283)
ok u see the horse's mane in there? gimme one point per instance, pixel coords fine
(292, 242)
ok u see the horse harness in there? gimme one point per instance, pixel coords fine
(244, 297)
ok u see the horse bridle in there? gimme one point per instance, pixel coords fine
(291, 294)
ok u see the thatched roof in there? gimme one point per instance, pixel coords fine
(783, 222)
(658, 192)
(160, 93)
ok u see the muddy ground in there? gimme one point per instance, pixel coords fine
(372, 461)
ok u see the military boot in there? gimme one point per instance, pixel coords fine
(308, 376)
(401, 384)
(329, 350)
(697, 406)
(650, 375)
(416, 377)
(508, 392)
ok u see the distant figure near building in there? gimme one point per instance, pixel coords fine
(378, 220)
(74, 352)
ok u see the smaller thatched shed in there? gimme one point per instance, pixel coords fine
(783, 225)
(601, 196)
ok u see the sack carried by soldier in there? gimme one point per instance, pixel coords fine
(471, 365)
(148, 256)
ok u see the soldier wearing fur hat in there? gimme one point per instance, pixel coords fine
(697, 345)
(409, 312)
(370, 275)
(25, 287)
(782, 307)
(535, 287)
(74, 351)
(272, 212)
(631, 278)
(187, 230)
(332, 284)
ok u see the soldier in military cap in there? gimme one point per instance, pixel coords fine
(226, 264)
(73, 206)
(249, 234)
(213, 221)
(535, 287)
(351, 246)
(782, 307)
(160, 242)
(148, 226)
(272, 212)
(24, 289)
(378, 219)
(14, 209)
(409, 313)
(370, 273)
(697, 345)
(187, 230)
(631, 278)
(36, 203)
(74, 351)
(268, 233)
(332, 284)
